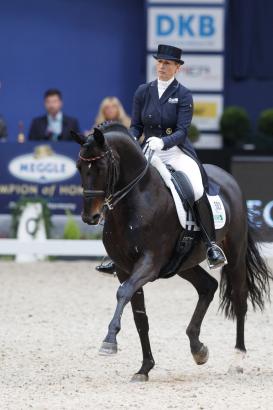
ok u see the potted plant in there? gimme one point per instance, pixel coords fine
(264, 139)
(235, 126)
(194, 133)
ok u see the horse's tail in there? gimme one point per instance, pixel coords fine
(258, 276)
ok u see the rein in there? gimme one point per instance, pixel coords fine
(112, 199)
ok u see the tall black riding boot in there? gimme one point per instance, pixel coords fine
(106, 267)
(203, 213)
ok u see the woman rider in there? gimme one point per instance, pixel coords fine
(162, 110)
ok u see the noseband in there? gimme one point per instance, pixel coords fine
(111, 198)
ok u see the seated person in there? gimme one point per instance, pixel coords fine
(111, 109)
(3, 130)
(55, 125)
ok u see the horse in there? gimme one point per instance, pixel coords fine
(141, 229)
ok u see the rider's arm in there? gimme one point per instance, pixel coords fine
(185, 110)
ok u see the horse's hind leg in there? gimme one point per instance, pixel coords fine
(234, 293)
(206, 287)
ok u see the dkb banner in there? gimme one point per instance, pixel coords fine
(45, 170)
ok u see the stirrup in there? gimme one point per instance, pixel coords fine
(221, 263)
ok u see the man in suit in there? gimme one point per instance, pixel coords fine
(55, 125)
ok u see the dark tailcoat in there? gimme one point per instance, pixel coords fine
(168, 117)
(38, 129)
(172, 113)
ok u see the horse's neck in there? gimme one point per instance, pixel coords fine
(131, 160)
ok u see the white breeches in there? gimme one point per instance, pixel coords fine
(182, 162)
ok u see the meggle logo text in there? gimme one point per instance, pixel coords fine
(44, 170)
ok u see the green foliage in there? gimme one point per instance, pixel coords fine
(71, 229)
(234, 125)
(194, 133)
(18, 210)
(92, 235)
(265, 122)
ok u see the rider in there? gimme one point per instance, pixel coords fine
(162, 110)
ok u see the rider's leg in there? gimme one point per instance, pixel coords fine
(106, 266)
(202, 208)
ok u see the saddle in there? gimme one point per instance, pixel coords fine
(183, 196)
(187, 237)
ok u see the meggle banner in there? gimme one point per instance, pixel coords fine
(191, 28)
(46, 170)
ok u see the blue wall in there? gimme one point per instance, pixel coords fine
(248, 57)
(88, 49)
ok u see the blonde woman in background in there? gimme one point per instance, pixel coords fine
(111, 109)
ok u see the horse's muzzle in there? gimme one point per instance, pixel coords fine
(90, 220)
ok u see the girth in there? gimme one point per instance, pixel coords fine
(187, 238)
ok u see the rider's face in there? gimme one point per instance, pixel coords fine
(166, 69)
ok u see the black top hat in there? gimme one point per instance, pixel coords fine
(165, 52)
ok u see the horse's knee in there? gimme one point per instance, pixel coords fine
(125, 292)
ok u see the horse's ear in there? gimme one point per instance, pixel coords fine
(80, 139)
(98, 137)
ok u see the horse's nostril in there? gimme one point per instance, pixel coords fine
(91, 220)
(95, 219)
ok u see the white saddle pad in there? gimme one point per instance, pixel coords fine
(186, 218)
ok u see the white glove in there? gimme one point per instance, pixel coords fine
(155, 143)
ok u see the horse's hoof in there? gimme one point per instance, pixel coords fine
(108, 349)
(138, 377)
(237, 365)
(202, 356)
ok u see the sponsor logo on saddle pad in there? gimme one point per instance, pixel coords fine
(218, 211)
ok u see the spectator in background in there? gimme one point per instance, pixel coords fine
(111, 109)
(3, 130)
(55, 125)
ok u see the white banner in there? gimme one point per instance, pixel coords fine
(199, 73)
(190, 28)
(207, 111)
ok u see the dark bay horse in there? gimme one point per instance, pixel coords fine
(141, 230)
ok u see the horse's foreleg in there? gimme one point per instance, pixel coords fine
(142, 325)
(206, 286)
(143, 272)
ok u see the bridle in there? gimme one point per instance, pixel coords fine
(111, 198)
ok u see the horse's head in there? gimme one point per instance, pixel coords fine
(93, 164)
